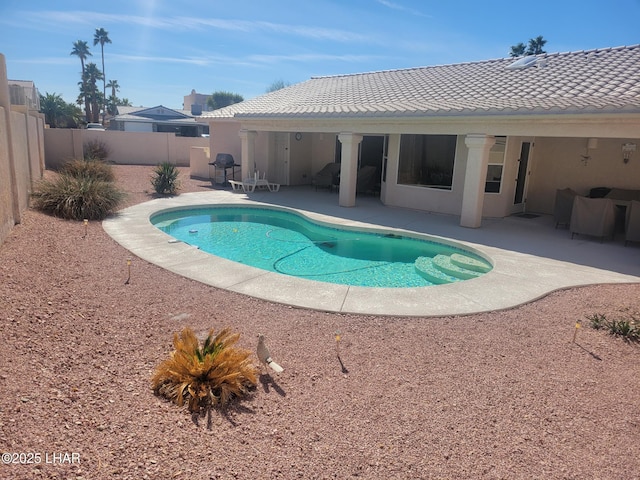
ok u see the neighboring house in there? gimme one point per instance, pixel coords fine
(489, 138)
(24, 92)
(196, 103)
(157, 119)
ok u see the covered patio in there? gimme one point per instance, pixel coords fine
(478, 140)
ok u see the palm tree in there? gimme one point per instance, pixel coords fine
(534, 48)
(518, 50)
(52, 105)
(81, 50)
(536, 45)
(92, 75)
(58, 113)
(101, 37)
(114, 86)
(112, 101)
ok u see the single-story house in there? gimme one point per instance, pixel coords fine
(157, 119)
(479, 139)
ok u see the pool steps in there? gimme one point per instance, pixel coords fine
(443, 269)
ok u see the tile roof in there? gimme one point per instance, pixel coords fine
(602, 80)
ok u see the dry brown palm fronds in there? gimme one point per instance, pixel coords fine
(205, 376)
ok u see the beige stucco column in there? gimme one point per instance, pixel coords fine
(474, 179)
(248, 152)
(348, 168)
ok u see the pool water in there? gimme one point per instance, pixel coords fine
(290, 244)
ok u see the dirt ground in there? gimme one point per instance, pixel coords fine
(501, 395)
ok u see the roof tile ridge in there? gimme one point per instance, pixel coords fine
(476, 62)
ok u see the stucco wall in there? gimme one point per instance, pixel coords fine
(300, 169)
(21, 157)
(6, 197)
(225, 139)
(128, 148)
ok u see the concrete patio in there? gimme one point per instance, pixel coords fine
(531, 258)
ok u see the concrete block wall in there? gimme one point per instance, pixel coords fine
(21, 156)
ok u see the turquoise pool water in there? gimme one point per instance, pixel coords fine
(290, 244)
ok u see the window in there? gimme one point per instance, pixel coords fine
(427, 160)
(495, 166)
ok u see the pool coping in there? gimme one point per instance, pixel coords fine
(535, 276)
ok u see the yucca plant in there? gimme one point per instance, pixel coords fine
(598, 321)
(207, 376)
(629, 329)
(165, 179)
(92, 168)
(76, 198)
(624, 328)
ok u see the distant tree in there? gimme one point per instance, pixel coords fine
(112, 101)
(58, 113)
(223, 99)
(89, 90)
(277, 85)
(101, 37)
(518, 50)
(81, 50)
(535, 47)
(114, 86)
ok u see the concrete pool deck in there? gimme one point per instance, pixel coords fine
(531, 258)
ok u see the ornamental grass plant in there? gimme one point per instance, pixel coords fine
(77, 197)
(92, 168)
(205, 376)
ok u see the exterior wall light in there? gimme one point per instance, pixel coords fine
(592, 143)
(627, 151)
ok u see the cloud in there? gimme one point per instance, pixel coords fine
(402, 8)
(310, 57)
(58, 18)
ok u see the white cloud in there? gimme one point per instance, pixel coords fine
(402, 8)
(58, 18)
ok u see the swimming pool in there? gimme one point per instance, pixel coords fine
(291, 244)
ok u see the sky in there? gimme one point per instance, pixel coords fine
(162, 50)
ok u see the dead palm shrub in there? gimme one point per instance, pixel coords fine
(207, 376)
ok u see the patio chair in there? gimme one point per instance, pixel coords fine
(250, 184)
(632, 224)
(593, 216)
(367, 179)
(563, 206)
(328, 177)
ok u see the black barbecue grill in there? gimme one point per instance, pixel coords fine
(224, 162)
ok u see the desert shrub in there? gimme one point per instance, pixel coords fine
(76, 198)
(91, 168)
(624, 328)
(627, 328)
(96, 150)
(598, 321)
(207, 376)
(165, 179)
